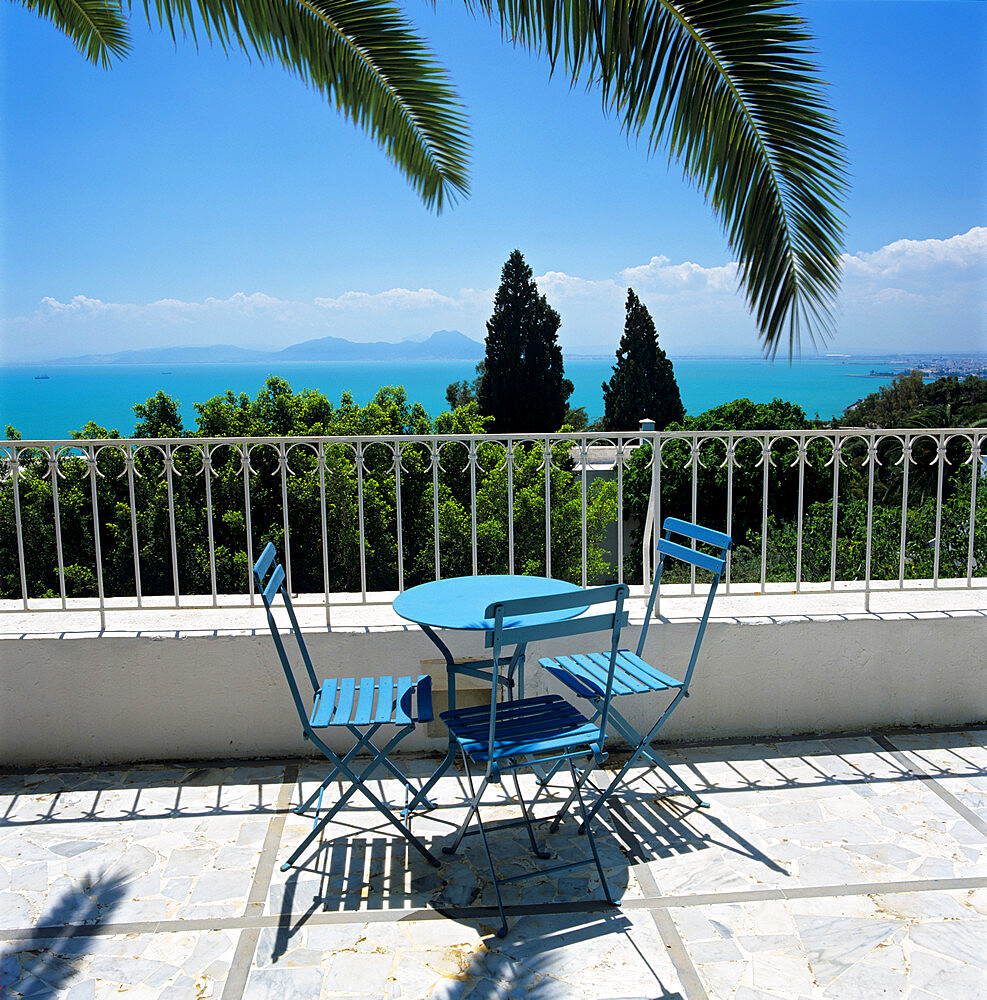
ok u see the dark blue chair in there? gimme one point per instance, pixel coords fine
(513, 733)
(588, 676)
(359, 705)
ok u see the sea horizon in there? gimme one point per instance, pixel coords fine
(45, 401)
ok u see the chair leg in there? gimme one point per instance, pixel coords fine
(439, 771)
(589, 833)
(393, 768)
(331, 776)
(577, 782)
(475, 808)
(359, 783)
(535, 849)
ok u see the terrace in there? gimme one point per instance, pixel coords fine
(835, 726)
(831, 867)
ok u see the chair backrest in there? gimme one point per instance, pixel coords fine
(666, 548)
(503, 634)
(267, 569)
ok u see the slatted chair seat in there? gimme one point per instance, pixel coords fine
(365, 701)
(524, 727)
(507, 735)
(586, 675)
(361, 705)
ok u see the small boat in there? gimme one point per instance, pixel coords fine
(42, 376)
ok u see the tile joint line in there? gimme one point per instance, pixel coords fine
(246, 947)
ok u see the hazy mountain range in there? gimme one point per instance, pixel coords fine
(443, 345)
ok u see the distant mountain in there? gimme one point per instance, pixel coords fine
(443, 345)
(216, 354)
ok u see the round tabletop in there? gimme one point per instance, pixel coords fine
(460, 601)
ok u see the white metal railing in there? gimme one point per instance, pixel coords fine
(55, 493)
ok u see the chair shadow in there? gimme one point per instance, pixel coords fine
(42, 965)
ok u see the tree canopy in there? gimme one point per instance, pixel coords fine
(643, 381)
(523, 384)
(727, 87)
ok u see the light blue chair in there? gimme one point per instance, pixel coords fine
(588, 676)
(359, 705)
(534, 732)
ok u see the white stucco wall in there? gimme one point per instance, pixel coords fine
(115, 698)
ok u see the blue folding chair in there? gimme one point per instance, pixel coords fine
(588, 677)
(533, 732)
(360, 705)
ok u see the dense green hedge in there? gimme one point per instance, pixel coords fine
(279, 412)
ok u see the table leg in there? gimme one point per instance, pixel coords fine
(450, 756)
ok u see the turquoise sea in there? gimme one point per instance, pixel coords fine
(53, 407)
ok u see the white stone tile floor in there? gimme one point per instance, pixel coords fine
(830, 868)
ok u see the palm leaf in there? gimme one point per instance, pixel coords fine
(365, 57)
(729, 89)
(96, 27)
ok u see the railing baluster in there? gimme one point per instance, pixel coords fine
(731, 451)
(940, 468)
(871, 472)
(906, 458)
(130, 457)
(694, 460)
(435, 506)
(361, 522)
(620, 511)
(397, 513)
(584, 461)
(283, 463)
(59, 551)
(974, 478)
(803, 445)
(766, 459)
(18, 526)
(245, 463)
(548, 507)
(97, 545)
(837, 462)
(510, 506)
(321, 458)
(169, 476)
(211, 530)
(471, 457)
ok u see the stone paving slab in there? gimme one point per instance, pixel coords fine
(839, 811)
(147, 845)
(823, 869)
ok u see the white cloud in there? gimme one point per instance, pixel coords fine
(393, 298)
(894, 298)
(661, 276)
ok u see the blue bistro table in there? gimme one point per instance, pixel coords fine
(461, 603)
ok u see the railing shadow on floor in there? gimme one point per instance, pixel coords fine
(151, 793)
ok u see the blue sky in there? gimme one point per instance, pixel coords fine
(190, 197)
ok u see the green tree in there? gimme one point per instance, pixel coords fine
(643, 381)
(463, 393)
(356, 485)
(523, 386)
(909, 401)
(728, 88)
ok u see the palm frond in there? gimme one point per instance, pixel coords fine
(365, 57)
(729, 88)
(96, 27)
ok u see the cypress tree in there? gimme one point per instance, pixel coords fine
(523, 385)
(643, 382)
